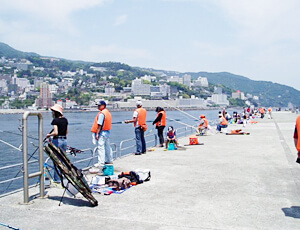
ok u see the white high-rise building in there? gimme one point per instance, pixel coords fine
(138, 88)
(187, 80)
(201, 81)
(220, 99)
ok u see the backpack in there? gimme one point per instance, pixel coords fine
(144, 174)
(132, 176)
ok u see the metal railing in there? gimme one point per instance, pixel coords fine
(118, 152)
(121, 148)
(40, 173)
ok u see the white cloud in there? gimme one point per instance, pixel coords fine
(53, 12)
(121, 20)
(264, 21)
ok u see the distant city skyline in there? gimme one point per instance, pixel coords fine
(253, 38)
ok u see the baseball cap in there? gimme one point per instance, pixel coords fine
(101, 103)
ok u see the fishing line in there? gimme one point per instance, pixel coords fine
(28, 160)
(181, 111)
(183, 123)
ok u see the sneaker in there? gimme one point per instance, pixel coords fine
(109, 163)
(161, 146)
(298, 160)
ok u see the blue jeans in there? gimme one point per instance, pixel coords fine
(103, 148)
(219, 127)
(140, 141)
(62, 144)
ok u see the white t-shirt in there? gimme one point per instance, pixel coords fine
(136, 114)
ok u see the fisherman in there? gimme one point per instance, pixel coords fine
(101, 133)
(296, 139)
(139, 122)
(203, 126)
(262, 112)
(269, 113)
(223, 123)
(160, 121)
(59, 133)
(171, 137)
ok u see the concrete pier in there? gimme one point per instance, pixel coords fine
(230, 182)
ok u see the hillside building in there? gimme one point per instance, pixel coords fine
(220, 99)
(187, 80)
(45, 98)
(238, 95)
(201, 82)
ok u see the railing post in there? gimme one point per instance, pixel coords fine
(155, 136)
(25, 155)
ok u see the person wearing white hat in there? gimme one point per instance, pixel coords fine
(139, 122)
(59, 132)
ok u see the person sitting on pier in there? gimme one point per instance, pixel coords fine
(203, 126)
(223, 123)
(171, 137)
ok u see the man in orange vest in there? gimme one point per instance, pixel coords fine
(296, 139)
(270, 113)
(101, 133)
(139, 122)
(223, 123)
(202, 128)
(160, 121)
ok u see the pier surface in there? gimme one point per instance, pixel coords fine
(230, 182)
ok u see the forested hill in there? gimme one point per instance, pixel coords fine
(270, 94)
(9, 52)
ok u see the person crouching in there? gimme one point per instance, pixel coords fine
(171, 137)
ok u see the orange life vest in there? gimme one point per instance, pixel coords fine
(163, 121)
(298, 132)
(142, 116)
(224, 122)
(106, 123)
(205, 123)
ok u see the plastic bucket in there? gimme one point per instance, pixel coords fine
(108, 170)
(171, 146)
(194, 140)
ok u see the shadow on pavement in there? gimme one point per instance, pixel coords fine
(293, 211)
(71, 201)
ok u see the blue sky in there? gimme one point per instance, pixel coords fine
(259, 39)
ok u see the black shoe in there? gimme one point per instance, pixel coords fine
(137, 154)
(109, 163)
(298, 160)
(144, 153)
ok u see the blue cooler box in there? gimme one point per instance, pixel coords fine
(108, 170)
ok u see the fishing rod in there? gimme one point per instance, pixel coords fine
(181, 111)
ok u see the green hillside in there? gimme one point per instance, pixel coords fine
(9, 52)
(270, 94)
